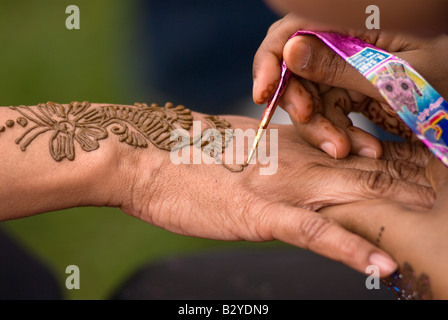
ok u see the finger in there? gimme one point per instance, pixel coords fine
(380, 222)
(363, 143)
(415, 153)
(297, 101)
(382, 115)
(267, 60)
(321, 235)
(310, 58)
(349, 185)
(437, 174)
(398, 169)
(317, 131)
(337, 105)
(325, 135)
(359, 100)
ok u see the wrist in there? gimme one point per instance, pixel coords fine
(134, 173)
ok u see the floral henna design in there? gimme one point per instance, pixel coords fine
(134, 125)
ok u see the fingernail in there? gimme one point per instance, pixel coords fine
(329, 148)
(383, 262)
(303, 54)
(368, 153)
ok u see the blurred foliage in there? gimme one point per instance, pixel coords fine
(40, 60)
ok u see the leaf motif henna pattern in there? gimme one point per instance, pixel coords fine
(134, 125)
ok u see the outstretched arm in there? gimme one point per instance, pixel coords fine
(57, 156)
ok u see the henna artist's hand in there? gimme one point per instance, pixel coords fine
(414, 236)
(334, 88)
(60, 156)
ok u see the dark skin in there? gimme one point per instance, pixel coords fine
(411, 234)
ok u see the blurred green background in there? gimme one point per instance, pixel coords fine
(40, 60)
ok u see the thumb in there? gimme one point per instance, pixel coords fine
(310, 58)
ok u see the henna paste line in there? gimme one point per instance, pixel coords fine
(22, 121)
(134, 125)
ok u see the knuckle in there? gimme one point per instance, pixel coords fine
(420, 154)
(395, 167)
(274, 26)
(261, 228)
(337, 68)
(403, 169)
(349, 247)
(338, 99)
(414, 153)
(427, 195)
(312, 228)
(327, 66)
(376, 182)
(400, 150)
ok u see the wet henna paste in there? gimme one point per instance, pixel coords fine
(22, 121)
(134, 125)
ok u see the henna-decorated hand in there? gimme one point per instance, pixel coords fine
(209, 201)
(334, 88)
(60, 156)
(415, 236)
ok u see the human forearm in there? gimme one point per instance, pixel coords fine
(55, 157)
(78, 154)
